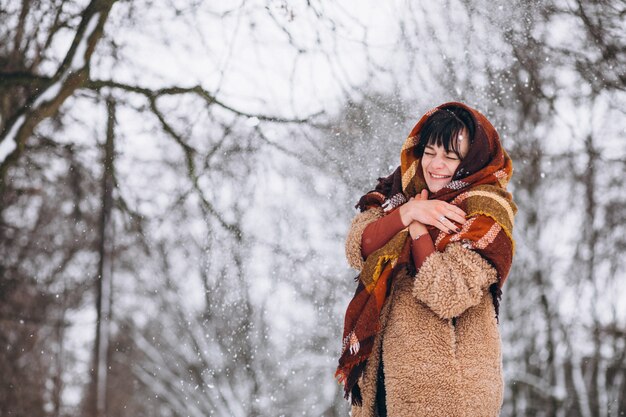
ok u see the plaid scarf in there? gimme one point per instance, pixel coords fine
(478, 187)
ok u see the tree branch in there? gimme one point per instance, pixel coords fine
(209, 98)
(10, 79)
(190, 152)
(71, 74)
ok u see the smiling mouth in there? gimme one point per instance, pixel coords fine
(439, 177)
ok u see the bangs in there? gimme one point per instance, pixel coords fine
(448, 138)
(442, 129)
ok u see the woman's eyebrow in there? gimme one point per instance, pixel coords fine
(432, 147)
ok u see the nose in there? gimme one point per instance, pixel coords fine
(437, 161)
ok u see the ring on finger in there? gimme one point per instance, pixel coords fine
(442, 219)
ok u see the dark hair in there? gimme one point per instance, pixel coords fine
(442, 129)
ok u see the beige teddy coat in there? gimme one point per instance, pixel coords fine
(433, 367)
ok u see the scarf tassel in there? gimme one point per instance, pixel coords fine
(357, 399)
(352, 391)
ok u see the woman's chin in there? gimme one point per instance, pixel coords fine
(433, 188)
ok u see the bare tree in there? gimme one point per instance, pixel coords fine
(229, 209)
(44, 88)
(96, 404)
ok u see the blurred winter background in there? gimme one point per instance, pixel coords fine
(177, 178)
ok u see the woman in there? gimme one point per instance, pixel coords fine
(433, 244)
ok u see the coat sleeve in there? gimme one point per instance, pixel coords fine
(452, 281)
(381, 231)
(355, 234)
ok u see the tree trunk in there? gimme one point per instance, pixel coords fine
(97, 400)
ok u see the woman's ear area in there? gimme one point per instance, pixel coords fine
(464, 142)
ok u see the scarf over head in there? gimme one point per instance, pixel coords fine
(478, 187)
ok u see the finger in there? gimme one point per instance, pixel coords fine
(445, 225)
(439, 225)
(443, 228)
(424, 194)
(453, 216)
(451, 226)
(450, 211)
(455, 209)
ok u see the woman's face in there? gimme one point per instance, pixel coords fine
(439, 166)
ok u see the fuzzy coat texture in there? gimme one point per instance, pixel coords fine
(434, 365)
(478, 187)
(431, 330)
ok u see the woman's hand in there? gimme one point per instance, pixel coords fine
(433, 212)
(417, 229)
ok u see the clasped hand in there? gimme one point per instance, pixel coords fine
(419, 211)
